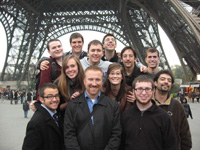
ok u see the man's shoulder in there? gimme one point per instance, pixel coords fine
(104, 64)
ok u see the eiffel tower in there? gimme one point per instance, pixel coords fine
(29, 24)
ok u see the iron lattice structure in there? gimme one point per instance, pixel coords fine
(29, 24)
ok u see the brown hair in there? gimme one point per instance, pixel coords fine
(52, 40)
(95, 42)
(45, 86)
(63, 80)
(109, 34)
(152, 50)
(126, 48)
(107, 84)
(143, 78)
(75, 36)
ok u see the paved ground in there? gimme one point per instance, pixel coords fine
(13, 125)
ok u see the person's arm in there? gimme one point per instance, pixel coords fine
(70, 137)
(115, 137)
(33, 139)
(142, 67)
(185, 135)
(169, 135)
(45, 76)
(190, 112)
(40, 61)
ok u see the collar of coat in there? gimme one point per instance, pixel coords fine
(102, 100)
(166, 102)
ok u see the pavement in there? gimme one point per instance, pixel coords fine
(13, 125)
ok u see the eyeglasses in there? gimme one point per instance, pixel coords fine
(50, 97)
(147, 90)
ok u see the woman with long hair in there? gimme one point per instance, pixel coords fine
(115, 86)
(70, 82)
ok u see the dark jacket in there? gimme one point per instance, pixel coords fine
(179, 119)
(103, 135)
(45, 76)
(25, 106)
(148, 130)
(115, 58)
(136, 72)
(187, 109)
(42, 133)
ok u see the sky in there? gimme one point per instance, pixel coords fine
(91, 35)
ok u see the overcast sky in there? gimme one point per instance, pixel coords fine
(90, 35)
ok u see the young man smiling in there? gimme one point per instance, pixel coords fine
(163, 81)
(128, 59)
(44, 131)
(145, 126)
(55, 50)
(92, 120)
(152, 59)
(95, 53)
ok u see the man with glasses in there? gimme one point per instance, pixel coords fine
(163, 81)
(145, 125)
(44, 129)
(109, 44)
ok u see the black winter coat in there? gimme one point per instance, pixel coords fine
(103, 135)
(42, 133)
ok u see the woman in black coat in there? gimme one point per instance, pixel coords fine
(186, 107)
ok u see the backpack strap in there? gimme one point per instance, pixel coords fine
(53, 70)
(171, 107)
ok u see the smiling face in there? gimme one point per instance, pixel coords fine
(115, 77)
(93, 83)
(109, 43)
(95, 53)
(152, 60)
(77, 45)
(143, 97)
(164, 83)
(55, 49)
(128, 59)
(71, 69)
(52, 105)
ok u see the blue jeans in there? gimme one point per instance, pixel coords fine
(25, 114)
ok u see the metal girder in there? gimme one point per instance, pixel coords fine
(178, 29)
(29, 24)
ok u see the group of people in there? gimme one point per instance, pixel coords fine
(100, 101)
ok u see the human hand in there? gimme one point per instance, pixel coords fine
(44, 65)
(130, 97)
(76, 94)
(32, 106)
(143, 69)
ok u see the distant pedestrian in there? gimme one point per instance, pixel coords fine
(29, 97)
(25, 108)
(187, 109)
(193, 96)
(197, 96)
(11, 96)
(16, 97)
